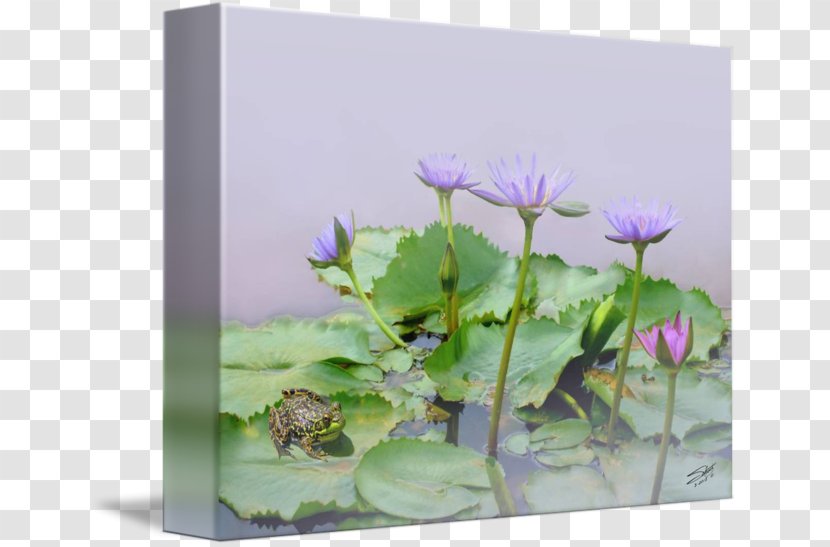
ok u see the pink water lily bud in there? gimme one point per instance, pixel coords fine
(670, 344)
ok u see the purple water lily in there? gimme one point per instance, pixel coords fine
(522, 188)
(637, 223)
(445, 172)
(325, 248)
(670, 344)
(333, 247)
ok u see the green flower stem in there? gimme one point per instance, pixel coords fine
(380, 323)
(452, 302)
(504, 499)
(448, 211)
(441, 208)
(515, 311)
(451, 312)
(622, 362)
(571, 402)
(666, 440)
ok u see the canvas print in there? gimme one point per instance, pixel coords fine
(466, 274)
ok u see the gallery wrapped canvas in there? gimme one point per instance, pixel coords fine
(418, 273)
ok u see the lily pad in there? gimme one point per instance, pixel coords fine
(604, 319)
(410, 287)
(560, 285)
(421, 480)
(466, 366)
(398, 360)
(286, 342)
(576, 455)
(630, 472)
(707, 438)
(661, 299)
(567, 489)
(321, 355)
(255, 482)
(372, 251)
(563, 434)
(517, 443)
(542, 415)
(246, 392)
(698, 401)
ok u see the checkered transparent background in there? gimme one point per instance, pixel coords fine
(81, 283)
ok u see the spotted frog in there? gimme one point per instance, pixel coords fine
(307, 418)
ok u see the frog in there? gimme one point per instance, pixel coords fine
(307, 418)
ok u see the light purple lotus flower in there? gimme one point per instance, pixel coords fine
(333, 245)
(638, 223)
(522, 188)
(445, 172)
(670, 344)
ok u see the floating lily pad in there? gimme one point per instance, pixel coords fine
(410, 287)
(255, 482)
(563, 434)
(467, 365)
(398, 360)
(560, 285)
(372, 251)
(247, 392)
(708, 438)
(567, 489)
(517, 443)
(576, 455)
(324, 356)
(542, 415)
(286, 342)
(630, 472)
(661, 299)
(421, 480)
(698, 401)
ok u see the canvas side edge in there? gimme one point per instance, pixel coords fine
(192, 268)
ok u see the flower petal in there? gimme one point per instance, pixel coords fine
(491, 197)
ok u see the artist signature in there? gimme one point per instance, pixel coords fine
(701, 475)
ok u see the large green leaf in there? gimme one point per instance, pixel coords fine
(286, 342)
(560, 285)
(567, 489)
(372, 251)
(257, 363)
(630, 472)
(662, 299)
(246, 392)
(410, 287)
(255, 482)
(698, 401)
(421, 480)
(466, 366)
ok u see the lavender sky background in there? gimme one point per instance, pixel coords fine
(324, 114)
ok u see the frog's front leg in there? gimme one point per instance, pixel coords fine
(317, 454)
(280, 433)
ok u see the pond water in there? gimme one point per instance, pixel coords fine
(468, 426)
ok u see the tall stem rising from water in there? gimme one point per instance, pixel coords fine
(515, 311)
(666, 440)
(622, 362)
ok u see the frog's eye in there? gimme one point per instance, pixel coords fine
(327, 418)
(335, 406)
